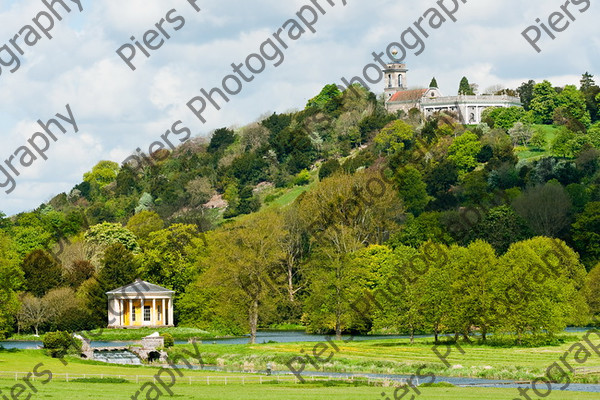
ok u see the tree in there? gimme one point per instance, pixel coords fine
(102, 174)
(393, 138)
(65, 310)
(564, 143)
(144, 223)
(242, 260)
(42, 273)
(79, 272)
(464, 150)
(473, 292)
(11, 278)
(61, 343)
(500, 227)
(397, 291)
(119, 267)
(200, 191)
(543, 103)
(106, 234)
(33, 313)
(592, 290)
(412, 189)
(546, 209)
(433, 83)
(538, 139)
(171, 256)
(573, 102)
(526, 93)
(539, 287)
(220, 140)
(465, 88)
(520, 134)
(343, 214)
(329, 99)
(586, 233)
(329, 168)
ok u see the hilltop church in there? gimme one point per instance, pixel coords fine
(430, 101)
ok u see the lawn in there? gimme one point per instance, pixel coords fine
(530, 153)
(78, 391)
(179, 333)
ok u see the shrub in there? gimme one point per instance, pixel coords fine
(169, 340)
(60, 343)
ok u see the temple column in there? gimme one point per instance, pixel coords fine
(170, 321)
(121, 316)
(162, 313)
(153, 314)
(130, 312)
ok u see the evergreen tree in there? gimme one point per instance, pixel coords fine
(433, 83)
(465, 88)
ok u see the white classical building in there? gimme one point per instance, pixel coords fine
(430, 101)
(140, 304)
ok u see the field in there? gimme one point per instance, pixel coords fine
(375, 356)
(401, 357)
(530, 153)
(78, 391)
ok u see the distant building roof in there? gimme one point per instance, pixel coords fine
(408, 95)
(140, 286)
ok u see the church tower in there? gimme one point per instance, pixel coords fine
(395, 79)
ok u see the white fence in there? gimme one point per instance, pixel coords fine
(213, 379)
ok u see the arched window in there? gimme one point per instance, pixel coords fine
(390, 80)
(399, 80)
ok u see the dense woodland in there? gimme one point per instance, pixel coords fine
(340, 217)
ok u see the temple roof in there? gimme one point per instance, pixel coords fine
(408, 95)
(140, 286)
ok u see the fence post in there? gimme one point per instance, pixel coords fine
(16, 376)
(261, 379)
(226, 380)
(190, 380)
(67, 374)
(208, 380)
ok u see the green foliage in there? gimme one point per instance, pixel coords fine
(11, 279)
(220, 140)
(464, 150)
(586, 233)
(144, 223)
(412, 189)
(526, 93)
(41, 272)
(433, 83)
(328, 99)
(102, 174)
(61, 343)
(106, 234)
(502, 117)
(394, 137)
(543, 102)
(302, 178)
(169, 340)
(329, 168)
(464, 87)
(145, 203)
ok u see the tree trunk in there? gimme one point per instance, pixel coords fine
(435, 335)
(338, 329)
(412, 335)
(290, 274)
(253, 321)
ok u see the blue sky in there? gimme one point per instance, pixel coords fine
(118, 110)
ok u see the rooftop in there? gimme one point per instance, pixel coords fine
(140, 286)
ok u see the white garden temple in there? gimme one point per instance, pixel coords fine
(140, 304)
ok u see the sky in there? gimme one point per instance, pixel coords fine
(118, 110)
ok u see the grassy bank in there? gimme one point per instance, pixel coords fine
(401, 357)
(87, 390)
(179, 333)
